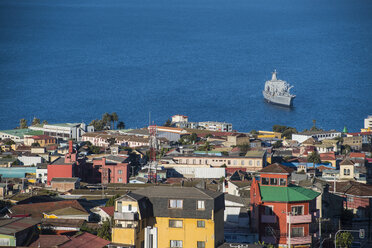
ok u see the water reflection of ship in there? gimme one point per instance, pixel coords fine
(277, 92)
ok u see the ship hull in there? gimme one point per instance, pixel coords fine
(279, 100)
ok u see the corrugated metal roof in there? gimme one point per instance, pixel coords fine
(291, 193)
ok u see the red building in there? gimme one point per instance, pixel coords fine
(68, 166)
(280, 210)
(114, 169)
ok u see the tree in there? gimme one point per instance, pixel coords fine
(254, 132)
(121, 125)
(346, 149)
(23, 123)
(35, 144)
(45, 122)
(286, 131)
(35, 121)
(278, 144)
(344, 240)
(111, 201)
(97, 124)
(193, 137)
(244, 147)
(9, 142)
(314, 157)
(168, 123)
(111, 141)
(105, 230)
(106, 119)
(114, 117)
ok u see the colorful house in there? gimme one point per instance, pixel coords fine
(114, 169)
(162, 216)
(281, 213)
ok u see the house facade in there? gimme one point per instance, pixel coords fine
(161, 216)
(281, 213)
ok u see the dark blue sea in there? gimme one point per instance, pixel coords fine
(73, 60)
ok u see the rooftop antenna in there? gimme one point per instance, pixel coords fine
(149, 118)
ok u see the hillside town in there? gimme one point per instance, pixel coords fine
(184, 184)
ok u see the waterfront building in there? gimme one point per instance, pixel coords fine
(318, 135)
(17, 135)
(101, 139)
(252, 161)
(281, 213)
(180, 118)
(162, 216)
(368, 122)
(216, 126)
(64, 131)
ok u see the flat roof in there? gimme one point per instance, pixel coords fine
(21, 132)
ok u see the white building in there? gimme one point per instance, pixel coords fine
(216, 126)
(30, 160)
(64, 130)
(180, 118)
(42, 173)
(318, 135)
(368, 122)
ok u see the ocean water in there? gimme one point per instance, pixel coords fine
(73, 60)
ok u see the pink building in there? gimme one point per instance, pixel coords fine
(114, 169)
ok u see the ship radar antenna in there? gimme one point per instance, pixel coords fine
(273, 78)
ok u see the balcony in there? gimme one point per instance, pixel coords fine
(301, 240)
(297, 219)
(125, 216)
(268, 219)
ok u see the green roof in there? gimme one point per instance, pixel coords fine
(291, 193)
(21, 132)
(65, 124)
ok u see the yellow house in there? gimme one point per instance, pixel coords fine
(162, 217)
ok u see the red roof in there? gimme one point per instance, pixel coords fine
(357, 155)
(49, 240)
(86, 240)
(276, 168)
(327, 156)
(360, 133)
(37, 209)
(109, 210)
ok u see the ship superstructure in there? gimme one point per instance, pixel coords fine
(278, 91)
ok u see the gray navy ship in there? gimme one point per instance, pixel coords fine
(277, 92)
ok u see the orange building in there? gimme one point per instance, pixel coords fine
(282, 212)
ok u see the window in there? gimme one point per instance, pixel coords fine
(297, 232)
(201, 244)
(273, 181)
(250, 162)
(282, 181)
(297, 210)
(120, 179)
(175, 223)
(129, 207)
(120, 172)
(201, 205)
(265, 181)
(269, 210)
(201, 223)
(242, 162)
(235, 162)
(176, 243)
(228, 162)
(258, 163)
(175, 203)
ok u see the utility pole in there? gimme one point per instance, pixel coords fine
(288, 215)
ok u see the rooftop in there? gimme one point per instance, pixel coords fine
(21, 132)
(65, 179)
(177, 192)
(291, 193)
(10, 226)
(277, 169)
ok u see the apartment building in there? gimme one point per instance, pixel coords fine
(318, 135)
(159, 216)
(216, 126)
(252, 161)
(281, 213)
(64, 131)
(368, 122)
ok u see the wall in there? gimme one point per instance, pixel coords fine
(59, 171)
(6, 240)
(189, 233)
(124, 235)
(62, 186)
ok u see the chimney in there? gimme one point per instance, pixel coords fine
(70, 146)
